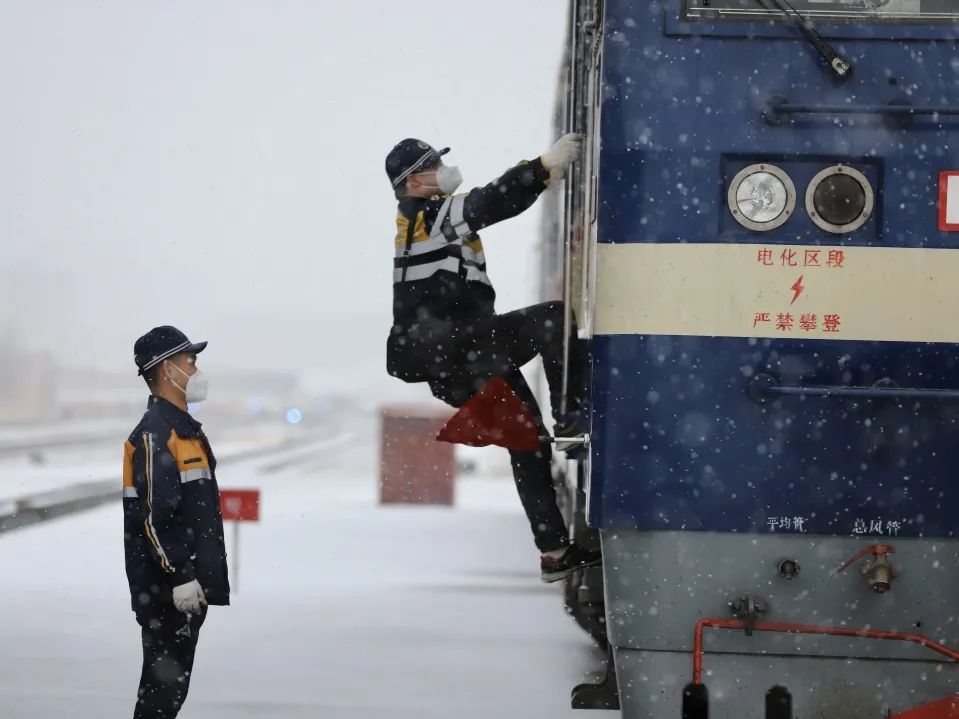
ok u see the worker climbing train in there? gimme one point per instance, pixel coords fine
(447, 333)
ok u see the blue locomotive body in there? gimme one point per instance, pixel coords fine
(769, 277)
(681, 442)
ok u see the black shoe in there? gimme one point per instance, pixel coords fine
(575, 557)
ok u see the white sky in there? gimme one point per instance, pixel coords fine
(219, 165)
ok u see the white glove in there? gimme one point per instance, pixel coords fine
(188, 598)
(562, 154)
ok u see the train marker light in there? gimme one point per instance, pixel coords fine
(949, 201)
(761, 197)
(839, 199)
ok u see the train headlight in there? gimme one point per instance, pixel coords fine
(761, 197)
(839, 199)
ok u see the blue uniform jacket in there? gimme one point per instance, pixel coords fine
(173, 528)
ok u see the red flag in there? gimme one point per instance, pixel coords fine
(494, 415)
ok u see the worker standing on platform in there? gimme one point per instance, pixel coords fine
(173, 529)
(446, 331)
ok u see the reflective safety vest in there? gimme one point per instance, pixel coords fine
(451, 246)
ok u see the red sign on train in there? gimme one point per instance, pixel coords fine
(949, 201)
(240, 505)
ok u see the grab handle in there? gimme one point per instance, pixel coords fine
(778, 110)
(763, 387)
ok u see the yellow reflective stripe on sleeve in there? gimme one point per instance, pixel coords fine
(148, 524)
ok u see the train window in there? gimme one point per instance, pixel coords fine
(893, 11)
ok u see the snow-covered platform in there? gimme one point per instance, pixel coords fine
(344, 609)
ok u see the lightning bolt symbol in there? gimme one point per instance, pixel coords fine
(797, 289)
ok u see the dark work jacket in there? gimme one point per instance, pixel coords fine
(431, 314)
(173, 529)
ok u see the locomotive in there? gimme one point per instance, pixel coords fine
(760, 248)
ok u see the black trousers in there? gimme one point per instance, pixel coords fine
(169, 643)
(497, 347)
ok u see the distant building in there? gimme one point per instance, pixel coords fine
(28, 385)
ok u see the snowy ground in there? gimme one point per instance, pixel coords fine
(344, 609)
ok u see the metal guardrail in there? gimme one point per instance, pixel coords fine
(31, 509)
(50, 443)
(27, 510)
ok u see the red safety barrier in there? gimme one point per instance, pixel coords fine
(414, 467)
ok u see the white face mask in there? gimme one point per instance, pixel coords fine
(448, 179)
(197, 385)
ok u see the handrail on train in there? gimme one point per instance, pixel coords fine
(779, 110)
(574, 122)
(789, 628)
(568, 210)
(763, 386)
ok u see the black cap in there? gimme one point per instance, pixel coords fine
(410, 156)
(160, 343)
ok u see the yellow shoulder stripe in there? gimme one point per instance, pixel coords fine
(188, 452)
(128, 450)
(419, 230)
